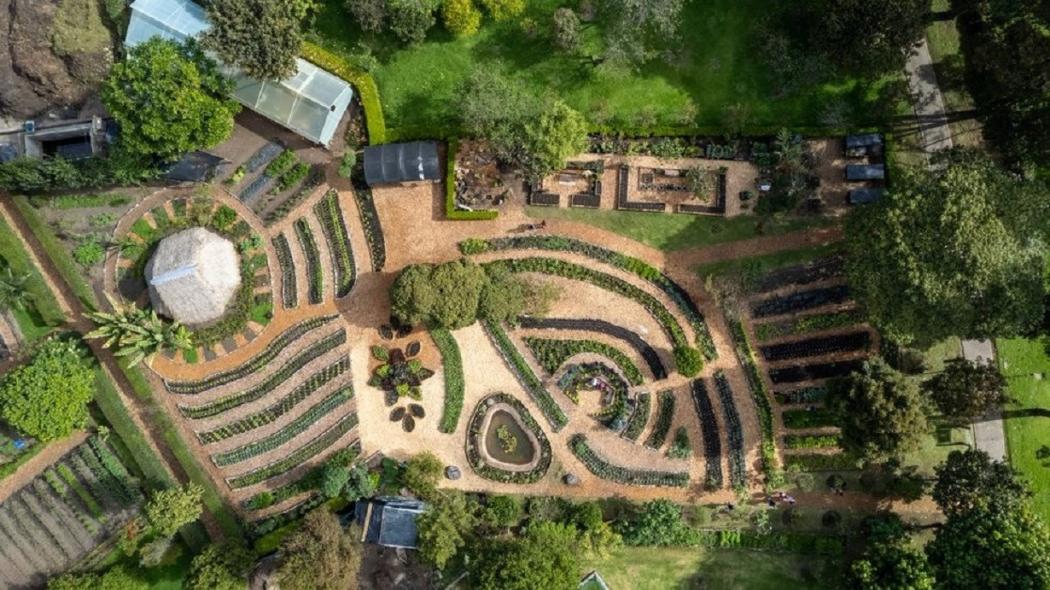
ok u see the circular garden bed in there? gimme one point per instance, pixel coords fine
(492, 414)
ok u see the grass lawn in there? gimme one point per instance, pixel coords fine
(39, 318)
(418, 85)
(1028, 416)
(668, 231)
(667, 568)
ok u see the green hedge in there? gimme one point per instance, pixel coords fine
(815, 418)
(363, 83)
(836, 462)
(450, 191)
(58, 254)
(811, 441)
(452, 362)
(552, 354)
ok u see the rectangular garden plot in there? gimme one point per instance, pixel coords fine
(813, 372)
(821, 346)
(801, 301)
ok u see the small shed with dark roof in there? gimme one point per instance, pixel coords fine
(863, 140)
(858, 172)
(389, 521)
(863, 196)
(402, 162)
(194, 167)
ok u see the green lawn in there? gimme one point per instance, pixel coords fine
(418, 85)
(668, 231)
(943, 38)
(667, 568)
(1028, 416)
(44, 313)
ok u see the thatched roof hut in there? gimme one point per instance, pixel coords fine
(193, 276)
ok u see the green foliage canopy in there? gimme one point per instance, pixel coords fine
(219, 567)
(969, 480)
(261, 37)
(422, 473)
(965, 390)
(445, 528)
(171, 509)
(545, 557)
(320, 555)
(47, 398)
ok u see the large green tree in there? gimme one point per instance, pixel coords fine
(171, 509)
(47, 398)
(422, 473)
(952, 252)
(545, 557)
(969, 480)
(659, 522)
(219, 567)
(261, 37)
(870, 37)
(320, 555)
(637, 31)
(966, 390)
(116, 578)
(168, 99)
(445, 528)
(891, 564)
(881, 412)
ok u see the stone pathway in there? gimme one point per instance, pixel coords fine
(988, 432)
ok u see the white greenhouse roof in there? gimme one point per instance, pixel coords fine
(311, 103)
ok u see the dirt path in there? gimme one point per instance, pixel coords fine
(32, 468)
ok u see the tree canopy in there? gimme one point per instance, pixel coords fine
(638, 30)
(545, 557)
(47, 398)
(422, 473)
(116, 578)
(261, 37)
(870, 37)
(445, 528)
(320, 555)
(891, 564)
(168, 99)
(219, 567)
(968, 480)
(966, 390)
(171, 509)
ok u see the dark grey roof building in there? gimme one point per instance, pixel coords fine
(401, 162)
(389, 521)
(863, 140)
(865, 172)
(863, 196)
(194, 167)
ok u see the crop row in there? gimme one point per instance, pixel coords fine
(257, 362)
(814, 372)
(639, 418)
(55, 503)
(263, 389)
(42, 539)
(804, 395)
(664, 415)
(800, 301)
(291, 515)
(311, 480)
(809, 418)
(289, 289)
(803, 274)
(808, 323)
(313, 261)
(551, 410)
(452, 363)
(811, 441)
(61, 490)
(633, 265)
(366, 207)
(822, 462)
(330, 215)
(474, 442)
(116, 468)
(635, 477)
(819, 346)
(647, 352)
(282, 407)
(297, 457)
(709, 431)
(551, 354)
(687, 358)
(88, 497)
(760, 395)
(734, 431)
(115, 489)
(312, 181)
(291, 430)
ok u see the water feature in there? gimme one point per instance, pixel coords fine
(523, 452)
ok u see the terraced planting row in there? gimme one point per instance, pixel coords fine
(734, 432)
(551, 355)
(635, 477)
(257, 363)
(647, 352)
(800, 301)
(330, 215)
(528, 379)
(289, 288)
(639, 418)
(373, 229)
(808, 323)
(314, 272)
(822, 269)
(664, 415)
(819, 346)
(452, 364)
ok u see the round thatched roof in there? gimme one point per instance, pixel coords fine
(193, 275)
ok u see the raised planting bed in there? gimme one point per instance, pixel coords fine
(622, 202)
(636, 266)
(635, 477)
(639, 418)
(299, 425)
(298, 456)
(310, 481)
(542, 199)
(309, 185)
(822, 462)
(586, 200)
(709, 432)
(734, 432)
(313, 261)
(552, 354)
(822, 269)
(804, 395)
(808, 323)
(528, 379)
(814, 372)
(819, 346)
(648, 353)
(687, 358)
(800, 301)
(286, 372)
(475, 441)
(760, 395)
(664, 415)
(330, 215)
(257, 363)
(282, 407)
(366, 207)
(452, 364)
(263, 157)
(811, 441)
(809, 418)
(289, 289)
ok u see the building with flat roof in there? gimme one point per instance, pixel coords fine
(389, 521)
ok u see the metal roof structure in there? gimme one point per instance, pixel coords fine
(863, 196)
(865, 172)
(311, 103)
(194, 167)
(401, 162)
(193, 276)
(863, 140)
(390, 521)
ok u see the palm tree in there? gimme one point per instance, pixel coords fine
(138, 334)
(14, 293)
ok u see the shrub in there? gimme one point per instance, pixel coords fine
(680, 447)
(565, 27)
(89, 252)
(346, 165)
(47, 397)
(452, 362)
(501, 10)
(461, 17)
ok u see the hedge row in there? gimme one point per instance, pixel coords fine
(297, 457)
(451, 212)
(363, 83)
(636, 477)
(551, 410)
(330, 215)
(687, 359)
(474, 442)
(809, 418)
(552, 354)
(313, 261)
(366, 208)
(452, 363)
(760, 395)
(811, 441)
(639, 418)
(664, 415)
(289, 289)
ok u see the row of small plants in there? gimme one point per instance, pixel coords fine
(664, 415)
(734, 432)
(528, 379)
(49, 550)
(257, 363)
(811, 441)
(809, 418)
(52, 515)
(289, 431)
(709, 432)
(60, 498)
(77, 475)
(309, 184)
(551, 354)
(680, 447)
(633, 265)
(647, 352)
(639, 418)
(804, 395)
(366, 207)
(313, 261)
(289, 288)
(66, 480)
(820, 346)
(310, 481)
(635, 477)
(474, 442)
(800, 301)
(297, 457)
(760, 395)
(835, 462)
(330, 215)
(282, 407)
(116, 488)
(286, 372)
(452, 363)
(687, 358)
(808, 323)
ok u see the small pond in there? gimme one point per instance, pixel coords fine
(524, 451)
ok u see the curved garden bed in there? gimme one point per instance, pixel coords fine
(486, 466)
(638, 477)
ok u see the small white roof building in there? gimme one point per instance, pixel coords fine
(193, 276)
(311, 103)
